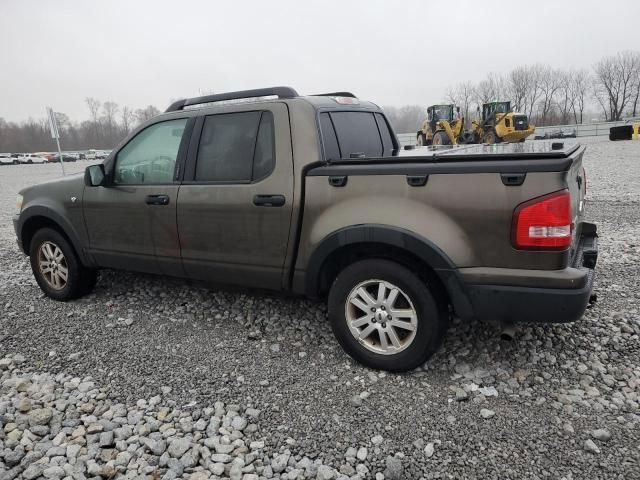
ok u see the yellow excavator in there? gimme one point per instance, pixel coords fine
(496, 123)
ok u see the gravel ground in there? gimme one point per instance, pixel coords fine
(154, 377)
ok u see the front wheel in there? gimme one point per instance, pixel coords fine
(490, 137)
(57, 268)
(441, 138)
(385, 316)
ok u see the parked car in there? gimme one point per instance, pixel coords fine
(6, 159)
(31, 158)
(66, 157)
(313, 195)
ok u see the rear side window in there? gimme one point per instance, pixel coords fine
(329, 139)
(236, 147)
(385, 134)
(264, 158)
(355, 134)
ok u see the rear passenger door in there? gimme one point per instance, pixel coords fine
(235, 203)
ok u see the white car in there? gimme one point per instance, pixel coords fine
(5, 159)
(31, 158)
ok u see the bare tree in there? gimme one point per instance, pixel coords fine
(616, 76)
(94, 113)
(634, 108)
(534, 74)
(550, 83)
(565, 97)
(144, 114)
(127, 117)
(490, 90)
(580, 91)
(462, 96)
(407, 118)
(518, 87)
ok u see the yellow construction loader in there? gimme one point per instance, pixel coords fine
(440, 127)
(497, 124)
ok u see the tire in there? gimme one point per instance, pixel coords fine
(421, 139)
(49, 248)
(490, 137)
(412, 348)
(441, 138)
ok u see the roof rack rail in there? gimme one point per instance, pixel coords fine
(281, 92)
(335, 94)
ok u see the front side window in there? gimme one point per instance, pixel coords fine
(150, 157)
(236, 147)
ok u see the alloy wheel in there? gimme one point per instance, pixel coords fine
(381, 317)
(53, 265)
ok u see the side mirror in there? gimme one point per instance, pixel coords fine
(94, 176)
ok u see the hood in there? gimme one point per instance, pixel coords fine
(73, 184)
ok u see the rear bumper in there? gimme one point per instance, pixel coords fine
(542, 304)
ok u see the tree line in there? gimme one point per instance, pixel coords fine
(549, 96)
(108, 123)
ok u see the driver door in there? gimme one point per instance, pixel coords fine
(131, 222)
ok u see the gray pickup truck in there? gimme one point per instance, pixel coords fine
(313, 195)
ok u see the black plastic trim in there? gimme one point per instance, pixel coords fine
(280, 92)
(529, 305)
(396, 237)
(67, 228)
(513, 179)
(340, 181)
(417, 180)
(396, 167)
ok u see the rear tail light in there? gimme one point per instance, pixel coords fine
(543, 223)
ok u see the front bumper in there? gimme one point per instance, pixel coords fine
(527, 304)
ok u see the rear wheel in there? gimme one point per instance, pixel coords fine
(57, 268)
(385, 316)
(421, 139)
(441, 138)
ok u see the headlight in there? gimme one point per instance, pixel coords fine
(18, 203)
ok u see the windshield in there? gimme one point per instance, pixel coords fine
(502, 107)
(441, 112)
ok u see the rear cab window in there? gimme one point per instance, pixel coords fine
(355, 134)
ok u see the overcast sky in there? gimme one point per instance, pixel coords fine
(392, 52)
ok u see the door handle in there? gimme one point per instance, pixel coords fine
(157, 200)
(268, 200)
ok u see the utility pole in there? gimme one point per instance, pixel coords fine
(53, 126)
